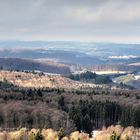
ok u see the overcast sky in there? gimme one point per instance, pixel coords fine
(82, 20)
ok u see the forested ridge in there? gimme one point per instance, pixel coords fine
(91, 77)
(70, 109)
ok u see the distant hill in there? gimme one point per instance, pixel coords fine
(81, 53)
(32, 65)
(32, 80)
(114, 67)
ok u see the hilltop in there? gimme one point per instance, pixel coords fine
(33, 65)
(40, 80)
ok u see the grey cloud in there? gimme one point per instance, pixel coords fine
(70, 19)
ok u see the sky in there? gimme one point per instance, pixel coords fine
(75, 20)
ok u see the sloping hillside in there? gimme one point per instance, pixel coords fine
(31, 80)
(132, 80)
(26, 64)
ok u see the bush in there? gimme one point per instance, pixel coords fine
(61, 133)
(36, 136)
(114, 136)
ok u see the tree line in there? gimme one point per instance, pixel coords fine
(91, 77)
(92, 115)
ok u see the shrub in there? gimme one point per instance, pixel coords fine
(35, 135)
(61, 133)
(114, 136)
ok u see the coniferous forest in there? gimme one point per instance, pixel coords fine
(69, 109)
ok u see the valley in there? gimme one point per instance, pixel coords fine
(48, 90)
(69, 69)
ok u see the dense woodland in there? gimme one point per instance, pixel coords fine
(70, 109)
(91, 77)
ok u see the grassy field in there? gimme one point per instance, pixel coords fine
(125, 79)
(110, 72)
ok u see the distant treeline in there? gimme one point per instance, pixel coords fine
(115, 67)
(91, 77)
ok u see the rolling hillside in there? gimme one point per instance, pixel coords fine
(30, 80)
(32, 65)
